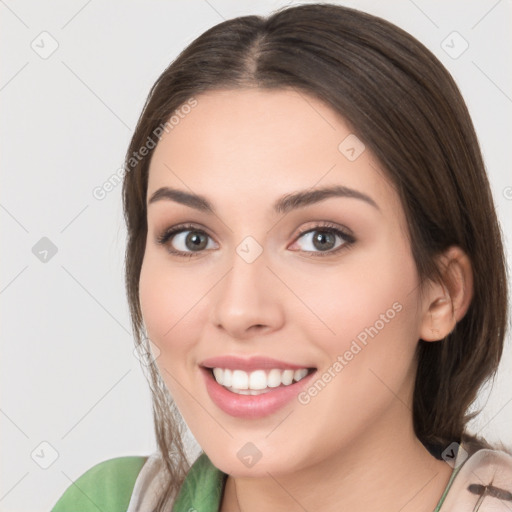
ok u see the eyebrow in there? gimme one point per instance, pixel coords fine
(284, 204)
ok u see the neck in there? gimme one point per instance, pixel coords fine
(386, 469)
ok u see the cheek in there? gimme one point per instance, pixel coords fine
(170, 305)
(170, 301)
(369, 297)
(371, 358)
(377, 334)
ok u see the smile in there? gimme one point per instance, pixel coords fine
(256, 382)
(253, 387)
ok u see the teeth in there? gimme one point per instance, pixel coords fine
(287, 377)
(300, 374)
(240, 380)
(218, 374)
(257, 381)
(274, 378)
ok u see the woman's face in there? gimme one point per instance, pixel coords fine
(290, 272)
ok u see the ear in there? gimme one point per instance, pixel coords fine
(445, 303)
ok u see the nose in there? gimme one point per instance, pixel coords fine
(246, 302)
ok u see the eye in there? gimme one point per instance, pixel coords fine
(323, 240)
(186, 240)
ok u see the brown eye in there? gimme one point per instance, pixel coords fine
(327, 240)
(195, 240)
(323, 241)
(186, 240)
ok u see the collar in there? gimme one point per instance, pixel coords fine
(483, 479)
(202, 489)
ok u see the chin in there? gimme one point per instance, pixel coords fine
(247, 459)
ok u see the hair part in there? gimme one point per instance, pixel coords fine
(406, 108)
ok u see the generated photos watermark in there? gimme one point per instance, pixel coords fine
(356, 346)
(101, 191)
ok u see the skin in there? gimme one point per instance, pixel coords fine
(352, 447)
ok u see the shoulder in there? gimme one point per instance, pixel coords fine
(483, 482)
(107, 486)
(203, 484)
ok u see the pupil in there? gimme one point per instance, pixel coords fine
(195, 241)
(324, 240)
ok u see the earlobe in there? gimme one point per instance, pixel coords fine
(446, 302)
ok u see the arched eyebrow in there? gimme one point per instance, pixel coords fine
(284, 204)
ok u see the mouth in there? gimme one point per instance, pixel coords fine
(257, 382)
(253, 388)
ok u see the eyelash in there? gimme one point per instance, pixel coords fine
(326, 227)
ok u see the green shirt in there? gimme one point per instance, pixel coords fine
(107, 487)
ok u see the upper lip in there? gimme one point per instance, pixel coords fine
(249, 363)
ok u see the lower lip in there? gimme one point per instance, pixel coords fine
(252, 406)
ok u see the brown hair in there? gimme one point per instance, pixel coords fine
(406, 108)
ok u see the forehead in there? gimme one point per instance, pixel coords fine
(255, 142)
(246, 119)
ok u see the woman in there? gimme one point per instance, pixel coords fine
(314, 259)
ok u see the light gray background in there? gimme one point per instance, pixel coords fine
(68, 373)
